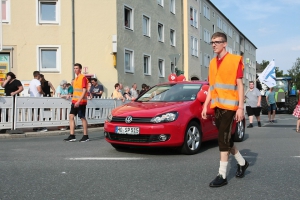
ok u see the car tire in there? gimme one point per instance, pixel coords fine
(192, 139)
(239, 132)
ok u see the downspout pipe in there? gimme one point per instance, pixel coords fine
(73, 38)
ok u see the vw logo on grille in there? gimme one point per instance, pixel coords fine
(128, 119)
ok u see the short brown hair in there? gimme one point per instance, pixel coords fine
(219, 34)
(79, 65)
(251, 82)
(117, 85)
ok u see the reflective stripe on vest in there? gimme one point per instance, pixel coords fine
(77, 90)
(225, 101)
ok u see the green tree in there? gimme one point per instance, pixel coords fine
(295, 73)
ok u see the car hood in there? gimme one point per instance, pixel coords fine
(148, 109)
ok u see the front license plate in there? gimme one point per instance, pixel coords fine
(127, 130)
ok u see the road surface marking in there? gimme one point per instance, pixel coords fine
(106, 158)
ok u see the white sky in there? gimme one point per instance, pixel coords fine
(273, 26)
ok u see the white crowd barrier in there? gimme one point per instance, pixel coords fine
(35, 112)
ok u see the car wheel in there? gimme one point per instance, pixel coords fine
(239, 131)
(192, 139)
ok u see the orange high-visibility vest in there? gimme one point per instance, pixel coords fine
(222, 81)
(77, 86)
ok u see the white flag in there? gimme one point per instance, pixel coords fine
(268, 76)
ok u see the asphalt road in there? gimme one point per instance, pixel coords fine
(48, 168)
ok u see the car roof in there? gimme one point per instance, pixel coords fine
(185, 82)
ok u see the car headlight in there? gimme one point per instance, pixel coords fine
(109, 117)
(167, 117)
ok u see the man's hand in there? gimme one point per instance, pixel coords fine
(239, 116)
(76, 105)
(203, 114)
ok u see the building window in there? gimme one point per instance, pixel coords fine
(49, 58)
(219, 22)
(128, 18)
(160, 32)
(161, 68)
(229, 31)
(225, 27)
(193, 17)
(206, 60)
(5, 11)
(194, 46)
(160, 2)
(206, 36)
(129, 61)
(172, 37)
(172, 68)
(146, 26)
(147, 65)
(172, 6)
(48, 11)
(206, 11)
(229, 49)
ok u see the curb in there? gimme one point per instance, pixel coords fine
(49, 133)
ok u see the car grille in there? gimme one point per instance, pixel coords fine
(134, 119)
(135, 138)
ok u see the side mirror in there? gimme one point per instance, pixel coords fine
(201, 96)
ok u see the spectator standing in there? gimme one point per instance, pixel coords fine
(226, 94)
(117, 94)
(70, 88)
(35, 90)
(253, 99)
(96, 89)
(46, 85)
(133, 91)
(270, 97)
(144, 89)
(79, 102)
(296, 113)
(121, 88)
(12, 86)
(127, 95)
(62, 90)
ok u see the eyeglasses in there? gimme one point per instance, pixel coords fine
(216, 42)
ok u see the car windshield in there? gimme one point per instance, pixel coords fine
(171, 92)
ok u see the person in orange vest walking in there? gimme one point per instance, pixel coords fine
(226, 94)
(78, 106)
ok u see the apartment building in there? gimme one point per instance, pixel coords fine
(122, 41)
(126, 41)
(201, 19)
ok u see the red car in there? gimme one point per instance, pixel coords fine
(167, 115)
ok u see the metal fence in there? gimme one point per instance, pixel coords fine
(34, 112)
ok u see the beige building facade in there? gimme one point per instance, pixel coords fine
(51, 35)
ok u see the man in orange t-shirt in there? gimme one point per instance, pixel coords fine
(227, 94)
(79, 102)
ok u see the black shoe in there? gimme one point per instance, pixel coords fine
(273, 121)
(241, 170)
(85, 138)
(71, 138)
(259, 124)
(250, 126)
(219, 181)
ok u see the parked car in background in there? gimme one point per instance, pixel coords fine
(167, 115)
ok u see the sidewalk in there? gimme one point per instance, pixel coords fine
(51, 132)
